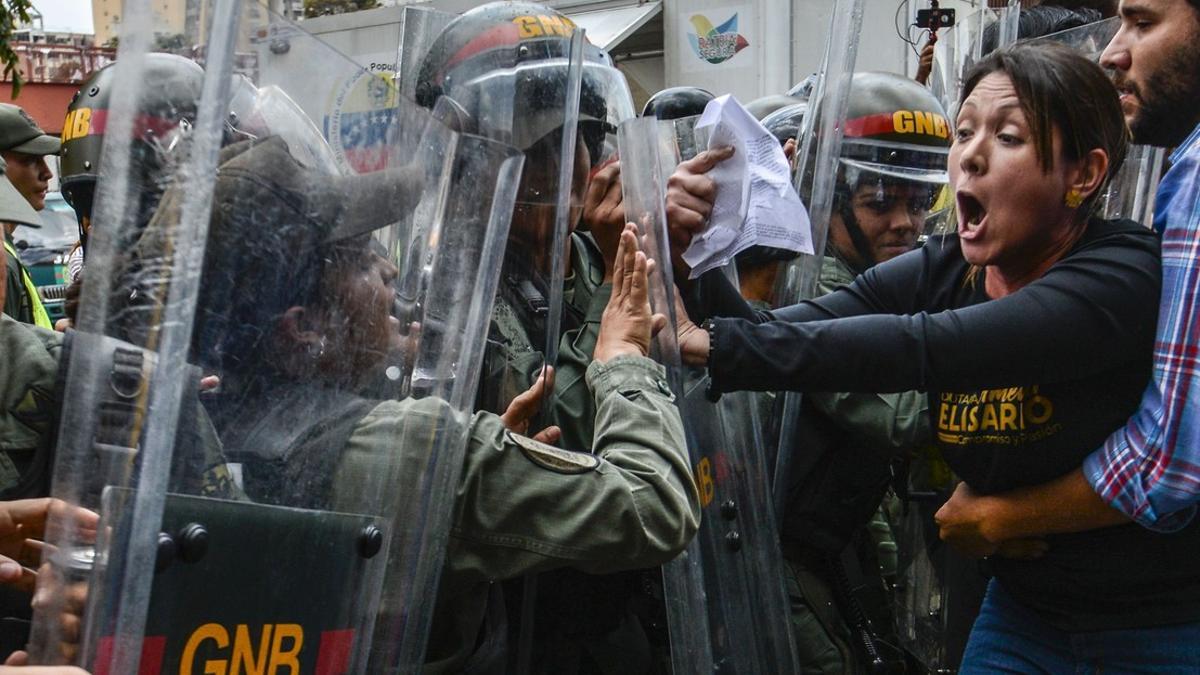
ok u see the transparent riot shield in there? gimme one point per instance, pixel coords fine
(938, 591)
(532, 81)
(227, 411)
(815, 168)
(1089, 40)
(533, 104)
(1130, 194)
(726, 605)
(957, 49)
(420, 29)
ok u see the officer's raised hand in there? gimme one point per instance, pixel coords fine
(628, 324)
(693, 340)
(525, 407)
(690, 196)
(604, 212)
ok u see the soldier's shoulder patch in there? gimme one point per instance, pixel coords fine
(554, 459)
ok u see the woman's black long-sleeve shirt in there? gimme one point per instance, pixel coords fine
(1020, 389)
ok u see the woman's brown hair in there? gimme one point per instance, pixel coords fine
(1060, 89)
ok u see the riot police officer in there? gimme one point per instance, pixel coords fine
(891, 174)
(516, 501)
(512, 87)
(674, 103)
(167, 102)
(841, 542)
(22, 432)
(517, 65)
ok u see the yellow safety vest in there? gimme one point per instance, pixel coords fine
(40, 317)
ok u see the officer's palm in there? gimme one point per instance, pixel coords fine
(628, 323)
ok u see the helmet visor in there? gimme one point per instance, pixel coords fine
(899, 161)
(523, 105)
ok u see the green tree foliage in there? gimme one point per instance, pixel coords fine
(15, 13)
(322, 7)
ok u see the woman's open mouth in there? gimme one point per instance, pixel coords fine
(971, 216)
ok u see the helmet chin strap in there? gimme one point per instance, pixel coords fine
(861, 245)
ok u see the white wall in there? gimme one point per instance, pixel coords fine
(766, 27)
(741, 72)
(646, 76)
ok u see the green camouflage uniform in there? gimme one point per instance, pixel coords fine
(867, 428)
(518, 509)
(583, 621)
(512, 361)
(30, 418)
(574, 410)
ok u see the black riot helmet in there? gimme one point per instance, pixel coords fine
(786, 122)
(499, 71)
(676, 102)
(763, 106)
(804, 88)
(165, 113)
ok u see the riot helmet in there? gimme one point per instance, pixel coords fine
(165, 113)
(676, 102)
(804, 88)
(763, 106)
(500, 71)
(787, 122)
(503, 71)
(892, 169)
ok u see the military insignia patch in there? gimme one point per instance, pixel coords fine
(35, 410)
(554, 459)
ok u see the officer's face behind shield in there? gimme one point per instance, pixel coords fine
(888, 197)
(890, 213)
(536, 206)
(522, 104)
(349, 323)
(293, 287)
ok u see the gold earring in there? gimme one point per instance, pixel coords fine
(1073, 199)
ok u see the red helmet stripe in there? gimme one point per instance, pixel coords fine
(870, 125)
(144, 126)
(503, 35)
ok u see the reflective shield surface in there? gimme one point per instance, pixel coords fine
(726, 606)
(251, 408)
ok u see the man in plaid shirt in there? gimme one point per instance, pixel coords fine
(1149, 470)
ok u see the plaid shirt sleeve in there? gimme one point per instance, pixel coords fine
(1150, 468)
